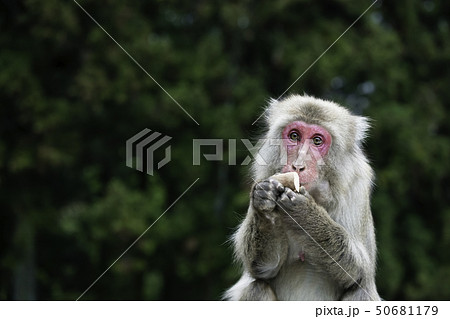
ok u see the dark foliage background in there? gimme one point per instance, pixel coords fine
(70, 98)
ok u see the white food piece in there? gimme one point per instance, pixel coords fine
(290, 180)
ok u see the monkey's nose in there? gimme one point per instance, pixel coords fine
(298, 168)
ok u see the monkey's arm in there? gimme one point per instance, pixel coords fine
(261, 243)
(331, 247)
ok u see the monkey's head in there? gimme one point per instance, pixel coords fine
(317, 139)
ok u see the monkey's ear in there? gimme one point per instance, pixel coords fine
(362, 128)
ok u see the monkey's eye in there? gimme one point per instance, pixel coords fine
(317, 140)
(294, 136)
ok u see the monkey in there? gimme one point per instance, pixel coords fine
(319, 243)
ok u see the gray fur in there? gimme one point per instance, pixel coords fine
(336, 216)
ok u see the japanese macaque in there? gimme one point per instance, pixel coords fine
(316, 242)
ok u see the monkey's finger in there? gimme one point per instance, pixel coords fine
(262, 194)
(305, 193)
(290, 193)
(261, 185)
(302, 190)
(294, 197)
(266, 185)
(284, 200)
(277, 185)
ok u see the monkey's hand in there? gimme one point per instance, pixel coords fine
(296, 204)
(265, 195)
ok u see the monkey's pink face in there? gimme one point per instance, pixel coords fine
(306, 146)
